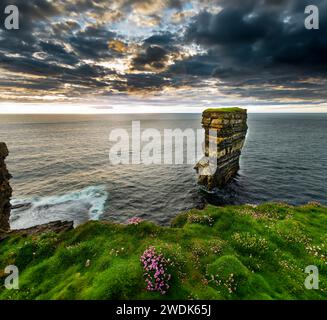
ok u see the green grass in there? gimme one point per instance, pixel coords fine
(234, 109)
(233, 252)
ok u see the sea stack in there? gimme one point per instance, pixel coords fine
(225, 132)
(5, 190)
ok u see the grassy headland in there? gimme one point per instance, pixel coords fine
(225, 110)
(234, 252)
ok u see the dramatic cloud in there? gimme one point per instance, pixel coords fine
(80, 49)
(262, 46)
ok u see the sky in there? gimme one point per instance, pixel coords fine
(133, 56)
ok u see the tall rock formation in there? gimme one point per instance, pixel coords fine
(225, 132)
(5, 190)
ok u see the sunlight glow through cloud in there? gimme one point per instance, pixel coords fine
(162, 56)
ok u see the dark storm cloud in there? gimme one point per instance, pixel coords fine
(153, 57)
(32, 14)
(161, 39)
(203, 65)
(156, 51)
(31, 11)
(55, 49)
(57, 53)
(267, 38)
(38, 67)
(92, 42)
(264, 32)
(53, 42)
(256, 48)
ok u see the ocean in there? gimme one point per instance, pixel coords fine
(61, 169)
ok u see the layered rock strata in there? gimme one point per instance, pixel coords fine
(5, 190)
(225, 132)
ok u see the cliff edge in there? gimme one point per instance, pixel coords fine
(5, 190)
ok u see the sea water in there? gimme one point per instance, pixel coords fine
(61, 169)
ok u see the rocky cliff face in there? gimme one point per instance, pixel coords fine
(225, 132)
(5, 190)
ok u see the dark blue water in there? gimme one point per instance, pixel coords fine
(61, 169)
(284, 159)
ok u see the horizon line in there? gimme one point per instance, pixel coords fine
(171, 112)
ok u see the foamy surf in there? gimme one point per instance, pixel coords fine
(78, 206)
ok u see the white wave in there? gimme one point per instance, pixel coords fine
(78, 206)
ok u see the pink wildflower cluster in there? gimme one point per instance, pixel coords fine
(134, 220)
(155, 266)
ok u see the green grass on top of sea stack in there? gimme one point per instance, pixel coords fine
(225, 110)
(234, 252)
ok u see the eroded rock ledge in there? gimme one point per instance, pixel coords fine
(54, 226)
(5, 190)
(225, 132)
